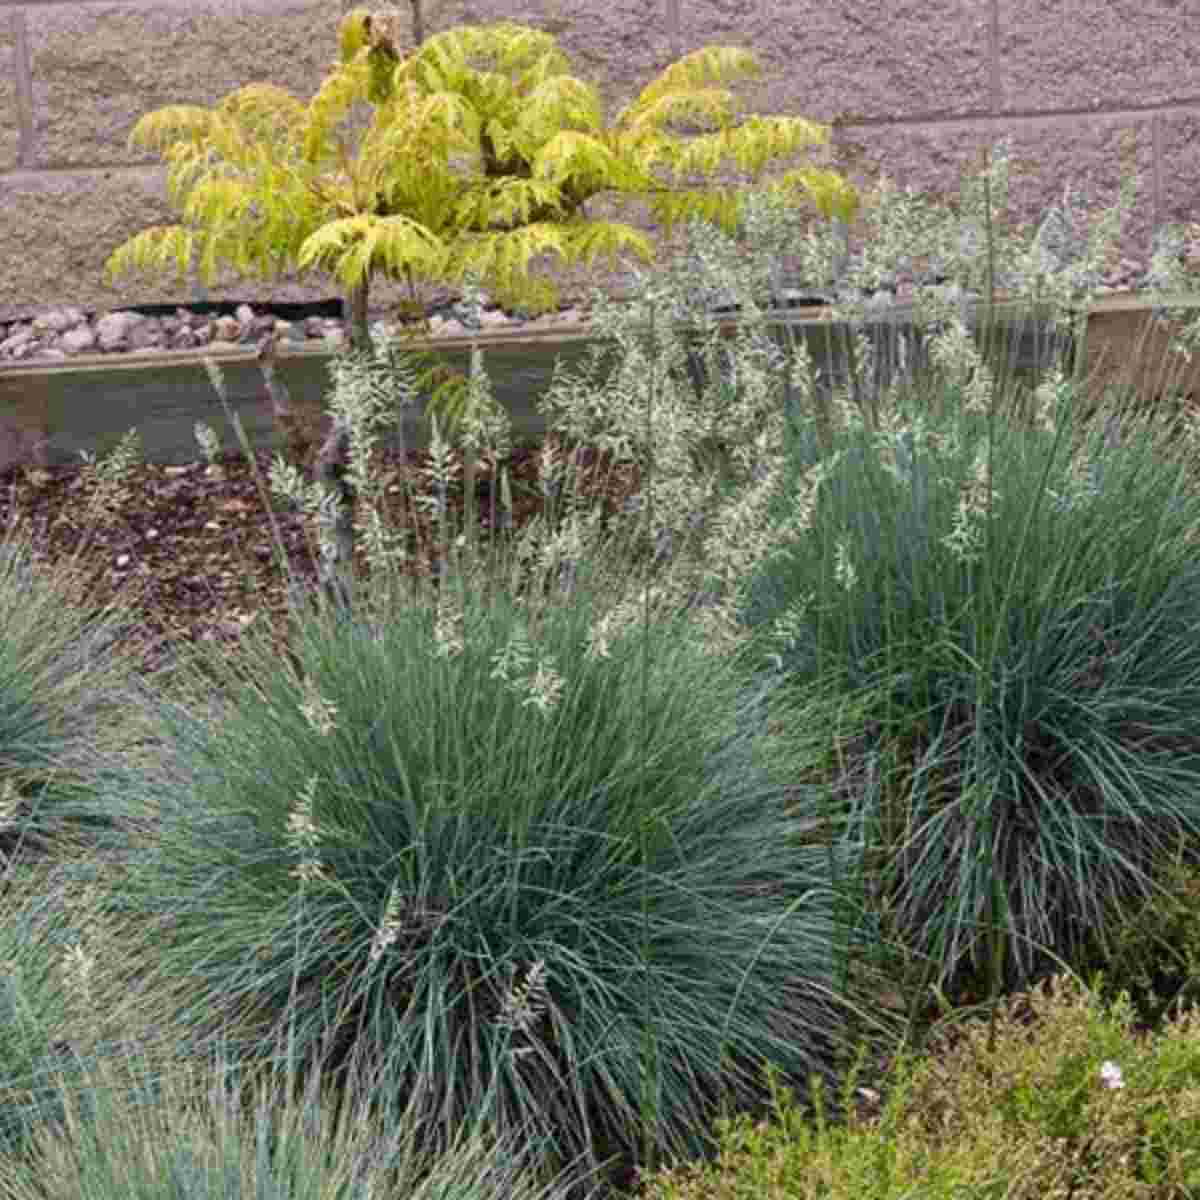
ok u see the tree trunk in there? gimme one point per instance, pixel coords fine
(336, 571)
(356, 317)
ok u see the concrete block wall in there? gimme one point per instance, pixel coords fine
(918, 87)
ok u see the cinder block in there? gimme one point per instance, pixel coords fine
(97, 68)
(1063, 54)
(875, 59)
(619, 46)
(1179, 144)
(58, 228)
(10, 124)
(1043, 157)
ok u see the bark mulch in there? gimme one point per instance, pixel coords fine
(192, 545)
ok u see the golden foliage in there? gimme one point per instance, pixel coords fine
(480, 156)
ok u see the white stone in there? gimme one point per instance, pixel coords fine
(492, 318)
(112, 331)
(16, 340)
(146, 334)
(59, 320)
(441, 327)
(227, 329)
(245, 315)
(76, 341)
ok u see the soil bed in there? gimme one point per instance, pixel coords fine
(194, 544)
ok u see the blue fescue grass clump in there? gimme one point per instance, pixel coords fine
(537, 883)
(44, 989)
(1002, 615)
(204, 1137)
(66, 688)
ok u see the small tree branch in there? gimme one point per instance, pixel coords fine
(290, 425)
(336, 571)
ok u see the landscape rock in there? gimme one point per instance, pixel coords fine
(59, 320)
(20, 337)
(112, 331)
(227, 329)
(78, 340)
(184, 338)
(258, 327)
(441, 327)
(146, 334)
(493, 318)
(67, 330)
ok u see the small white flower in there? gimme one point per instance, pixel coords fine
(209, 442)
(843, 568)
(10, 800)
(318, 711)
(513, 658)
(966, 539)
(617, 621)
(303, 836)
(77, 965)
(387, 933)
(525, 1000)
(1110, 1073)
(448, 628)
(544, 687)
(442, 470)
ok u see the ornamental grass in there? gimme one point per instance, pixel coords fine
(880, 687)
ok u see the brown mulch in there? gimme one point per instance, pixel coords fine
(192, 545)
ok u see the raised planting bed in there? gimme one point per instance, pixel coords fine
(1128, 347)
(52, 411)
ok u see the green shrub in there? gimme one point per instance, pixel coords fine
(1055, 1099)
(499, 863)
(1154, 950)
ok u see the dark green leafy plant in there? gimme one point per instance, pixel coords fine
(1153, 954)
